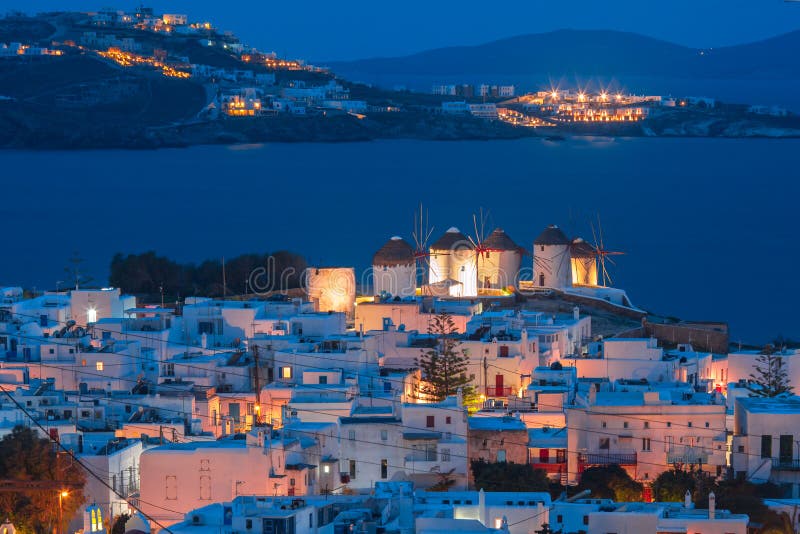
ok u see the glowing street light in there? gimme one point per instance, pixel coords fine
(63, 494)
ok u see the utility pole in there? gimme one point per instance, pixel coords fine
(257, 384)
(224, 282)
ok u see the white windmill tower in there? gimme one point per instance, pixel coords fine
(583, 259)
(394, 269)
(551, 259)
(452, 264)
(499, 260)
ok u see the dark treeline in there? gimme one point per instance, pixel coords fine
(147, 274)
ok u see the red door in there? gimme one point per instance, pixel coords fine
(498, 385)
(544, 456)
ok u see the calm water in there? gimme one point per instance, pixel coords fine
(709, 225)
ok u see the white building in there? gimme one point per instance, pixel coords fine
(646, 429)
(765, 439)
(394, 269)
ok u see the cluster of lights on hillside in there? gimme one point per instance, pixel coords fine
(127, 59)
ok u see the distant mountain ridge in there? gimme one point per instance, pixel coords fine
(592, 53)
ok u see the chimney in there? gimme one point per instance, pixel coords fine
(687, 501)
(712, 505)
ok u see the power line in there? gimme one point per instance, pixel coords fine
(75, 458)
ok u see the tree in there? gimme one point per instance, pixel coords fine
(672, 485)
(610, 482)
(444, 366)
(508, 476)
(769, 378)
(26, 456)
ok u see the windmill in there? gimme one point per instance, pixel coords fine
(551, 259)
(478, 240)
(602, 253)
(421, 235)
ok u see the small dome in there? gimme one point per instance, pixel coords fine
(137, 524)
(394, 252)
(453, 238)
(552, 235)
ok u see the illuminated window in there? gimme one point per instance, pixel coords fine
(326, 469)
(91, 315)
(286, 372)
(99, 366)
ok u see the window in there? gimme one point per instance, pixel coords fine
(323, 379)
(690, 424)
(384, 435)
(429, 421)
(251, 408)
(604, 444)
(447, 420)
(171, 489)
(669, 424)
(248, 524)
(646, 444)
(501, 455)
(706, 424)
(352, 469)
(625, 424)
(52, 351)
(286, 372)
(351, 435)
(603, 424)
(445, 455)
(99, 366)
(766, 446)
(559, 519)
(205, 488)
(204, 465)
(647, 424)
(384, 468)
(586, 520)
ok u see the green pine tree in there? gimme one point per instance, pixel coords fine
(769, 378)
(444, 366)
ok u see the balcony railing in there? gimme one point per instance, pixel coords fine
(785, 464)
(608, 458)
(492, 391)
(687, 455)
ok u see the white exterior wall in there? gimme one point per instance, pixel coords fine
(332, 289)
(464, 268)
(500, 268)
(552, 261)
(120, 470)
(439, 265)
(668, 430)
(89, 305)
(397, 280)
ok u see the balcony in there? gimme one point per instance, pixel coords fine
(687, 455)
(499, 391)
(785, 464)
(620, 457)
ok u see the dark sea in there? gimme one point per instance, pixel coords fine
(709, 226)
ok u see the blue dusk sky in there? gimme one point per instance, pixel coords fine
(355, 29)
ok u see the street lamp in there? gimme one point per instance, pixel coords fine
(63, 494)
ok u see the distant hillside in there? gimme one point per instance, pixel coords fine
(591, 53)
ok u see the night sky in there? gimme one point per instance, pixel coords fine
(319, 31)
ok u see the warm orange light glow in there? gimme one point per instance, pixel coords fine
(64, 494)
